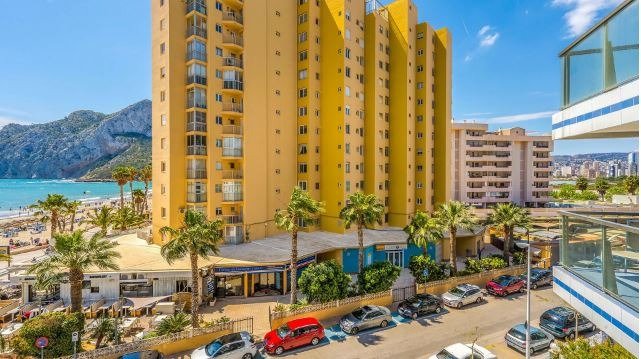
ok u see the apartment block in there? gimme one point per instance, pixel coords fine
(252, 98)
(501, 166)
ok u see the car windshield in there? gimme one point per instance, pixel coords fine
(517, 334)
(282, 331)
(444, 354)
(414, 302)
(359, 313)
(457, 292)
(503, 281)
(213, 347)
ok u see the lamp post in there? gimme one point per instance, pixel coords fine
(527, 311)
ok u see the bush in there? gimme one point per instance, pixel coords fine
(57, 327)
(519, 258)
(324, 282)
(418, 265)
(175, 323)
(489, 263)
(378, 277)
(581, 349)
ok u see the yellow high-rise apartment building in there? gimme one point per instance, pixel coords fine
(254, 97)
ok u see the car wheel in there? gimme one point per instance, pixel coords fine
(279, 350)
(571, 336)
(593, 328)
(459, 305)
(438, 310)
(414, 316)
(315, 341)
(248, 356)
(531, 351)
(522, 289)
(384, 324)
(479, 299)
(354, 331)
(534, 286)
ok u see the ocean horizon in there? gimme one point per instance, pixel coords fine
(21, 193)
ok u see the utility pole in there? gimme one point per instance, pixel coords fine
(527, 311)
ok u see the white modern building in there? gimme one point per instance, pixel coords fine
(599, 269)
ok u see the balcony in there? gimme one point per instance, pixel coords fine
(196, 197)
(233, 42)
(196, 31)
(232, 152)
(233, 62)
(232, 108)
(232, 196)
(232, 174)
(233, 20)
(196, 55)
(194, 126)
(197, 150)
(234, 3)
(233, 86)
(196, 79)
(197, 6)
(196, 173)
(232, 130)
(232, 219)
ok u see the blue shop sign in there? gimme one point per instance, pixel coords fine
(264, 269)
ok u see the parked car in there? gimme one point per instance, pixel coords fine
(366, 317)
(294, 334)
(145, 354)
(539, 277)
(231, 346)
(463, 294)
(561, 322)
(464, 351)
(539, 340)
(420, 304)
(505, 284)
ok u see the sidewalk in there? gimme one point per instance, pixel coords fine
(245, 307)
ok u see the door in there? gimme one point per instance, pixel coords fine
(539, 340)
(395, 257)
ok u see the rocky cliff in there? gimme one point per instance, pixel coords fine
(85, 143)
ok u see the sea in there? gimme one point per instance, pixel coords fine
(17, 194)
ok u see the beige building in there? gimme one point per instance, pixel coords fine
(502, 166)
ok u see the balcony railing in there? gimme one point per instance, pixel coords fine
(232, 40)
(232, 152)
(197, 150)
(196, 55)
(196, 174)
(232, 219)
(232, 16)
(198, 31)
(196, 126)
(196, 197)
(196, 79)
(232, 174)
(232, 130)
(232, 61)
(233, 85)
(232, 196)
(233, 107)
(196, 5)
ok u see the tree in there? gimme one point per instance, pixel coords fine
(145, 175)
(101, 218)
(104, 329)
(56, 326)
(175, 323)
(581, 183)
(198, 237)
(422, 230)
(126, 218)
(71, 208)
(121, 175)
(72, 255)
(425, 269)
(631, 184)
(132, 174)
(51, 208)
(324, 282)
(138, 199)
(364, 210)
(378, 277)
(452, 216)
(582, 349)
(507, 216)
(301, 209)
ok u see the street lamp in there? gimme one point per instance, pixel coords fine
(527, 311)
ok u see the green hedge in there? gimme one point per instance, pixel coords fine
(378, 277)
(418, 266)
(324, 282)
(56, 326)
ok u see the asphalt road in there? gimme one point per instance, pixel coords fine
(487, 321)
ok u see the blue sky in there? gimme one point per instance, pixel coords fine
(57, 56)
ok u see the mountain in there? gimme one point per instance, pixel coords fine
(85, 144)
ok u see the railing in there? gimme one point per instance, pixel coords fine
(233, 107)
(233, 40)
(232, 219)
(198, 31)
(232, 174)
(196, 79)
(196, 197)
(232, 61)
(237, 239)
(232, 196)
(195, 104)
(232, 85)
(274, 315)
(232, 152)
(196, 126)
(196, 55)
(232, 16)
(232, 130)
(197, 150)
(196, 174)
(195, 5)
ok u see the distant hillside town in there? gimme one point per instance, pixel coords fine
(593, 165)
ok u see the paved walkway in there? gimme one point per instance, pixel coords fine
(234, 308)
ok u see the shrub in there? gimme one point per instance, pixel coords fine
(324, 282)
(418, 265)
(173, 324)
(581, 349)
(378, 277)
(489, 263)
(519, 257)
(57, 327)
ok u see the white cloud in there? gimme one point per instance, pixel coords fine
(483, 30)
(489, 40)
(473, 114)
(512, 118)
(468, 58)
(582, 13)
(5, 120)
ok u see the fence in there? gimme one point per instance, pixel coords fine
(172, 343)
(400, 294)
(331, 309)
(480, 279)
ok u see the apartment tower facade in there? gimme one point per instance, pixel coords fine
(236, 125)
(502, 166)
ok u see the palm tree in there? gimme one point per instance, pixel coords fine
(105, 328)
(452, 216)
(71, 209)
(301, 209)
(581, 183)
(507, 216)
(73, 254)
(423, 229)
(145, 176)
(121, 175)
(126, 218)
(601, 185)
(132, 174)
(173, 324)
(364, 210)
(198, 237)
(101, 218)
(51, 208)
(138, 199)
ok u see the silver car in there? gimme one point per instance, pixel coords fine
(366, 317)
(461, 295)
(231, 346)
(539, 340)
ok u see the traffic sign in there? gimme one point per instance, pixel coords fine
(74, 337)
(42, 342)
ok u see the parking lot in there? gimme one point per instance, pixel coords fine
(486, 322)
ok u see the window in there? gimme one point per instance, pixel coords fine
(219, 120)
(302, 92)
(302, 74)
(348, 34)
(302, 149)
(420, 52)
(302, 111)
(163, 143)
(302, 18)
(348, 53)
(419, 35)
(219, 28)
(219, 52)
(302, 129)
(163, 166)
(163, 212)
(302, 185)
(95, 289)
(302, 168)
(219, 6)
(163, 24)
(162, 48)
(420, 85)
(347, 91)
(419, 68)
(162, 95)
(348, 72)
(302, 56)
(162, 2)
(219, 97)
(302, 37)
(163, 120)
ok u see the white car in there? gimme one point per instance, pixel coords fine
(463, 351)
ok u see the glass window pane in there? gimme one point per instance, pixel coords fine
(622, 47)
(585, 67)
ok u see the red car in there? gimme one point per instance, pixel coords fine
(294, 334)
(505, 284)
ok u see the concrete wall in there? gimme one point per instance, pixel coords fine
(480, 279)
